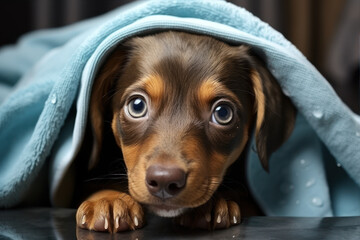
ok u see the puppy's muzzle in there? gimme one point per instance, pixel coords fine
(165, 181)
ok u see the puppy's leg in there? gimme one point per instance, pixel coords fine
(216, 214)
(110, 211)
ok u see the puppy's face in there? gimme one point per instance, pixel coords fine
(182, 110)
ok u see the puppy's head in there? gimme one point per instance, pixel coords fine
(182, 108)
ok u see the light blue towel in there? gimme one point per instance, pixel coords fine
(45, 81)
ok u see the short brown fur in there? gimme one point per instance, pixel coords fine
(183, 79)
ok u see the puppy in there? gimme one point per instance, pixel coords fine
(181, 108)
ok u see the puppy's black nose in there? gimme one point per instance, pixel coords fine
(165, 182)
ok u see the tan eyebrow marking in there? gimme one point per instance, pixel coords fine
(210, 89)
(154, 87)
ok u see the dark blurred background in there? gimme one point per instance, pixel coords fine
(326, 31)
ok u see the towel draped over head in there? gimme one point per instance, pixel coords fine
(46, 80)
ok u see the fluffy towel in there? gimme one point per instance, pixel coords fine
(45, 81)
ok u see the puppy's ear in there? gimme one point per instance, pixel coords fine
(100, 104)
(275, 114)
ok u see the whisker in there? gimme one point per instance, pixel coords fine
(107, 178)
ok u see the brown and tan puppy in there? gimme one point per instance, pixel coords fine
(181, 108)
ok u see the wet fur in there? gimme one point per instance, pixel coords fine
(181, 76)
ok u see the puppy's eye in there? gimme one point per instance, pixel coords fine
(222, 114)
(137, 107)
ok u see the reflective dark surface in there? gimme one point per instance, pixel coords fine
(43, 223)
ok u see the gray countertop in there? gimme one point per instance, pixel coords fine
(48, 223)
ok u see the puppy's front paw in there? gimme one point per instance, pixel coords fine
(215, 214)
(110, 211)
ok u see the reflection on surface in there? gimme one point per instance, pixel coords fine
(59, 224)
(37, 223)
(160, 228)
(82, 234)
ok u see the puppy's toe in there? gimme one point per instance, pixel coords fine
(101, 224)
(84, 214)
(234, 213)
(94, 215)
(221, 214)
(226, 214)
(127, 214)
(101, 218)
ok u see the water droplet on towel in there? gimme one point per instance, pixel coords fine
(318, 114)
(286, 187)
(310, 182)
(286, 92)
(53, 99)
(318, 202)
(304, 163)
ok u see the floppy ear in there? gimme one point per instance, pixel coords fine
(275, 114)
(100, 104)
